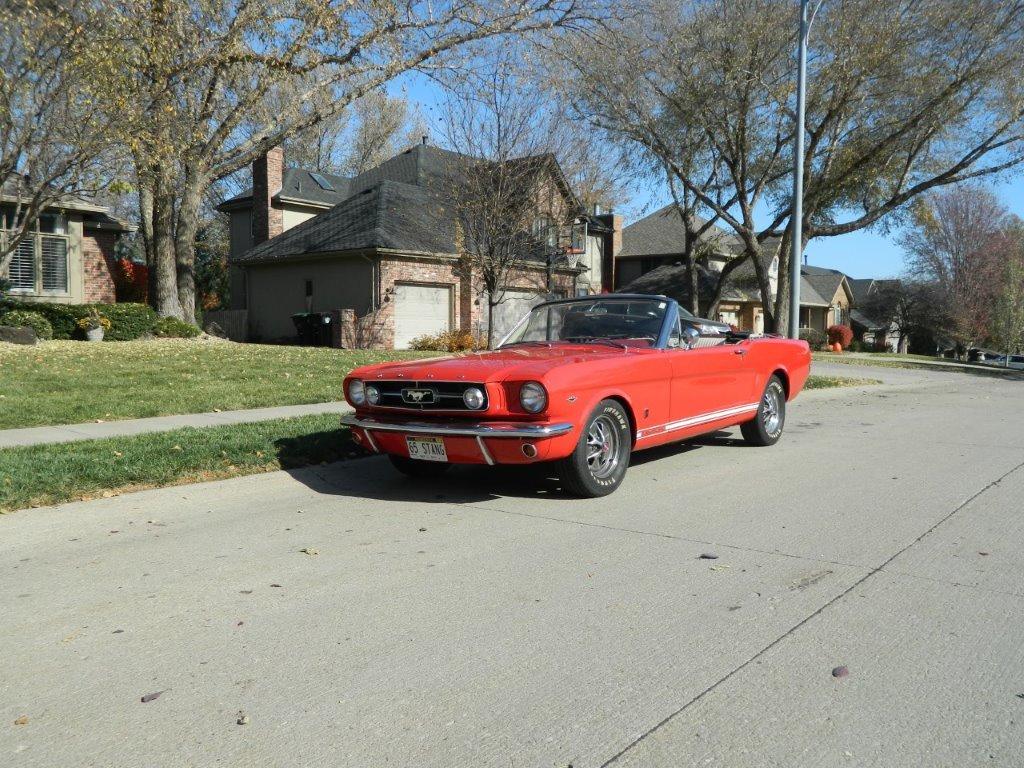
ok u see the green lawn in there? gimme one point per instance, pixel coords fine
(58, 472)
(64, 382)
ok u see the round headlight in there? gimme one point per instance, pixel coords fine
(473, 397)
(356, 392)
(533, 397)
(372, 394)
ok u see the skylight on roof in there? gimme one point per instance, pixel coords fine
(322, 181)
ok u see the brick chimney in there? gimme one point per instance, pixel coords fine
(613, 244)
(267, 175)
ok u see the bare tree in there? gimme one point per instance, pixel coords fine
(381, 120)
(955, 243)
(904, 97)
(194, 77)
(505, 186)
(53, 143)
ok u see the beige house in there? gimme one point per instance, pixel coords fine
(68, 259)
(649, 263)
(380, 250)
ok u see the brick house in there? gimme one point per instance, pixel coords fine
(380, 250)
(649, 262)
(69, 258)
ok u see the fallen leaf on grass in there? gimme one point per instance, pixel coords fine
(23, 720)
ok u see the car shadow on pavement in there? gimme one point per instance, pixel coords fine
(329, 463)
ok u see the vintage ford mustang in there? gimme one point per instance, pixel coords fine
(581, 382)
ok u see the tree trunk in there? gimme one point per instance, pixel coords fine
(185, 245)
(165, 295)
(490, 323)
(767, 300)
(146, 230)
(782, 294)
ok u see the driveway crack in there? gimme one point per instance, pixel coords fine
(878, 569)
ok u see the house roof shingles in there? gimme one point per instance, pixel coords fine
(391, 215)
(661, 234)
(399, 205)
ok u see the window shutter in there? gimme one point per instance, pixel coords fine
(22, 272)
(55, 264)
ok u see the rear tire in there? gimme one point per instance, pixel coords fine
(766, 427)
(417, 468)
(599, 462)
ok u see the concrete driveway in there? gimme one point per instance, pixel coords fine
(486, 620)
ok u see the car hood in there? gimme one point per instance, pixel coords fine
(521, 362)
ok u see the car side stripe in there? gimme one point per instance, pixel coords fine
(694, 421)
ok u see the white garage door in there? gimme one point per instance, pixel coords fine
(421, 310)
(515, 307)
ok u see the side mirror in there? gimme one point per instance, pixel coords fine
(690, 336)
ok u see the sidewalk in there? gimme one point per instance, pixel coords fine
(68, 433)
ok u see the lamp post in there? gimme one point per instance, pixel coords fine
(798, 180)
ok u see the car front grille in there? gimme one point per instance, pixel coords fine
(426, 395)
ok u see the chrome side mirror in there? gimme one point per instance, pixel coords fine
(690, 337)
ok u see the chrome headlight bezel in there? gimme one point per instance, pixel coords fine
(533, 397)
(371, 393)
(478, 398)
(356, 392)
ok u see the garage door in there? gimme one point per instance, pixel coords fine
(515, 307)
(421, 310)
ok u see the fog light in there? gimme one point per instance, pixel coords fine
(473, 397)
(372, 395)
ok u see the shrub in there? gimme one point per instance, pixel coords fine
(19, 318)
(449, 341)
(815, 339)
(173, 328)
(840, 334)
(128, 321)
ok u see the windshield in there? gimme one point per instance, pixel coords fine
(633, 322)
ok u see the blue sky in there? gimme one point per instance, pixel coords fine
(871, 253)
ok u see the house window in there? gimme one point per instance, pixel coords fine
(544, 231)
(40, 260)
(22, 270)
(54, 258)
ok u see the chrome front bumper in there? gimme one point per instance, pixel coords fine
(495, 429)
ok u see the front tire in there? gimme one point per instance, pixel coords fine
(417, 468)
(599, 462)
(766, 427)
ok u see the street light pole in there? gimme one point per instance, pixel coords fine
(798, 181)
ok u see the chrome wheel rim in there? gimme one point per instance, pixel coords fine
(602, 447)
(771, 410)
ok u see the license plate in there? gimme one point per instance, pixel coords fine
(426, 448)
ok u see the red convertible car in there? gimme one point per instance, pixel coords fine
(581, 382)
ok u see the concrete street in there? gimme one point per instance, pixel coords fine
(487, 620)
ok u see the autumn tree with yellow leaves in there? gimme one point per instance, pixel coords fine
(199, 89)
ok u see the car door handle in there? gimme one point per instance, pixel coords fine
(739, 351)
